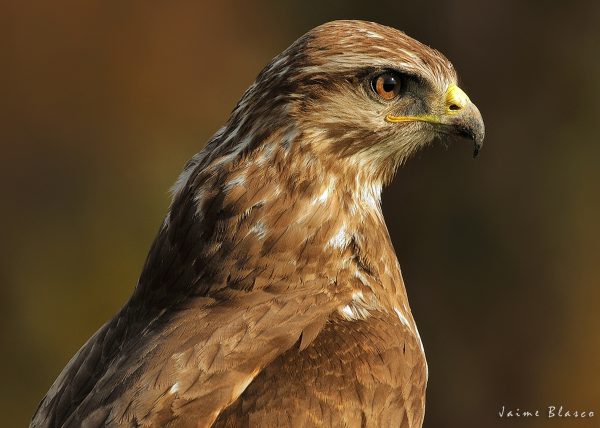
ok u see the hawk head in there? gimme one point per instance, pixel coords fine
(359, 94)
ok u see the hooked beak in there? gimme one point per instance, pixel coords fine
(461, 117)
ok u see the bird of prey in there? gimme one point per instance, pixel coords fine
(272, 296)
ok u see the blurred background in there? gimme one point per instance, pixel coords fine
(103, 102)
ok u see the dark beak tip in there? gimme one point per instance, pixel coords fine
(474, 134)
(477, 145)
(478, 141)
(475, 131)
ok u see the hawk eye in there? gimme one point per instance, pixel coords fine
(386, 85)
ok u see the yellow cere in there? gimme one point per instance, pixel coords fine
(456, 99)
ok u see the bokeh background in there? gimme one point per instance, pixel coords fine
(102, 102)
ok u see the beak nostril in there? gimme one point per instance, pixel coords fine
(454, 107)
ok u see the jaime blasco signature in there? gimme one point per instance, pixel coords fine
(551, 411)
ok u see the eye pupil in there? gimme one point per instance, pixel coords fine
(387, 86)
(389, 83)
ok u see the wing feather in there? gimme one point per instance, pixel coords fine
(213, 307)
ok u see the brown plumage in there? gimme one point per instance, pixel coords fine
(272, 296)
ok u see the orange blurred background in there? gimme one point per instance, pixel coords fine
(103, 102)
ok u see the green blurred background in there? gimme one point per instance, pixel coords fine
(104, 101)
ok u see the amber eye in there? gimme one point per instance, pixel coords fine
(387, 86)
